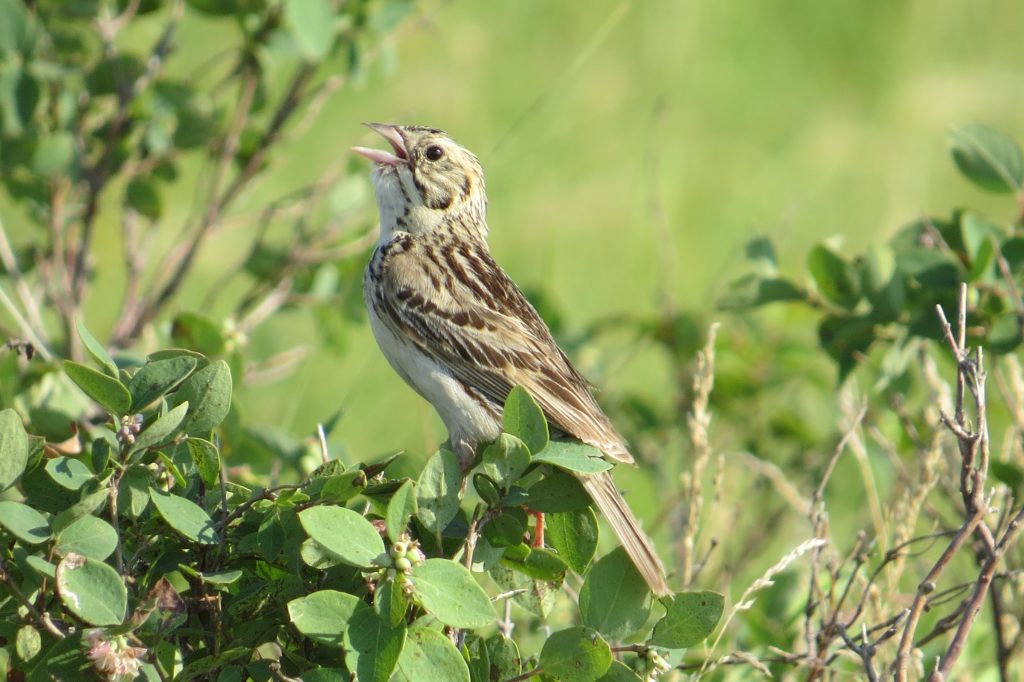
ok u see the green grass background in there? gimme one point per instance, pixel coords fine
(631, 148)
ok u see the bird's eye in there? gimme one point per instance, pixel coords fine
(434, 152)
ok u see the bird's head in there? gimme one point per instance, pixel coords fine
(427, 182)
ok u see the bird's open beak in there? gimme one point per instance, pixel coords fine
(391, 133)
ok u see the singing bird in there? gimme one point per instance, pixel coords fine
(459, 331)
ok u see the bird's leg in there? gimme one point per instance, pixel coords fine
(538, 533)
(466, 452)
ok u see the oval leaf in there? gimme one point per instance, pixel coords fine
(157, 377)
(430, 655)
(89, 536)
(206, 458)
(96, 349)
(837, 280)
(372, 647)
(13, 448)
(310, 23)
(437, 491)
(208, 392)
(92, 590)
(987, 157)
(345, 533)
(505, 460)
(449, 593)
(614, 599)
(524, 419)
(401, 506)
(161, 430)
(185, 516)
(558, 492)
(576, 655)
(573, 456)
(107, 391)
(689, 618)
(324, 615)
(24, 522)
(68, 472)
(573, 535)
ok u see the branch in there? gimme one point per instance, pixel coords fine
(973, 605)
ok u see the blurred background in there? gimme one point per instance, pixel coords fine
(633, 153)
(631, 149)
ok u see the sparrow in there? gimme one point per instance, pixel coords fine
(459, 331)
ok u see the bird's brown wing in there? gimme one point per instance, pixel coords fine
(457, 305)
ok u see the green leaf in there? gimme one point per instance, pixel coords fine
(845, 337)
(27, 643)
(557, 492)
(197, 333)
(1008, 473)
(505, 529)
(310, 23)
(430, 655)
(537, 563)
(133, 494)
(24, 522)
(68, 472)
(837, 280)
(107, 391)
(96, 349)
(487, 490)
(524, 419)
(13, 448)
(89, 536)
(372, 647)
(54, 153)
(157, 377)
(576, 655)
(449, 593)
(62, 661)
(977, 231)
(161, 430)
(143, 196)
(345, 533)
(92, 590)
(14, 26)
(437, 491)
(505, 460)
(317, 556)
(619, 672)
(94, 495)
(689, 618)
(1005, 334)
(573, 456)
(208, 393)
(614, 599)
(206, 458)
(324, 615)
(573, 535)
(504, 657)
(538, 596)
(400, 508)
(754, 290)
(987, 157)
(222, 577)
(391, 602)
(185, 516)
(340, 488)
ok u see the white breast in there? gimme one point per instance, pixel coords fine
(467, 415)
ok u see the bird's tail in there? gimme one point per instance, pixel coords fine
(611, 503)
